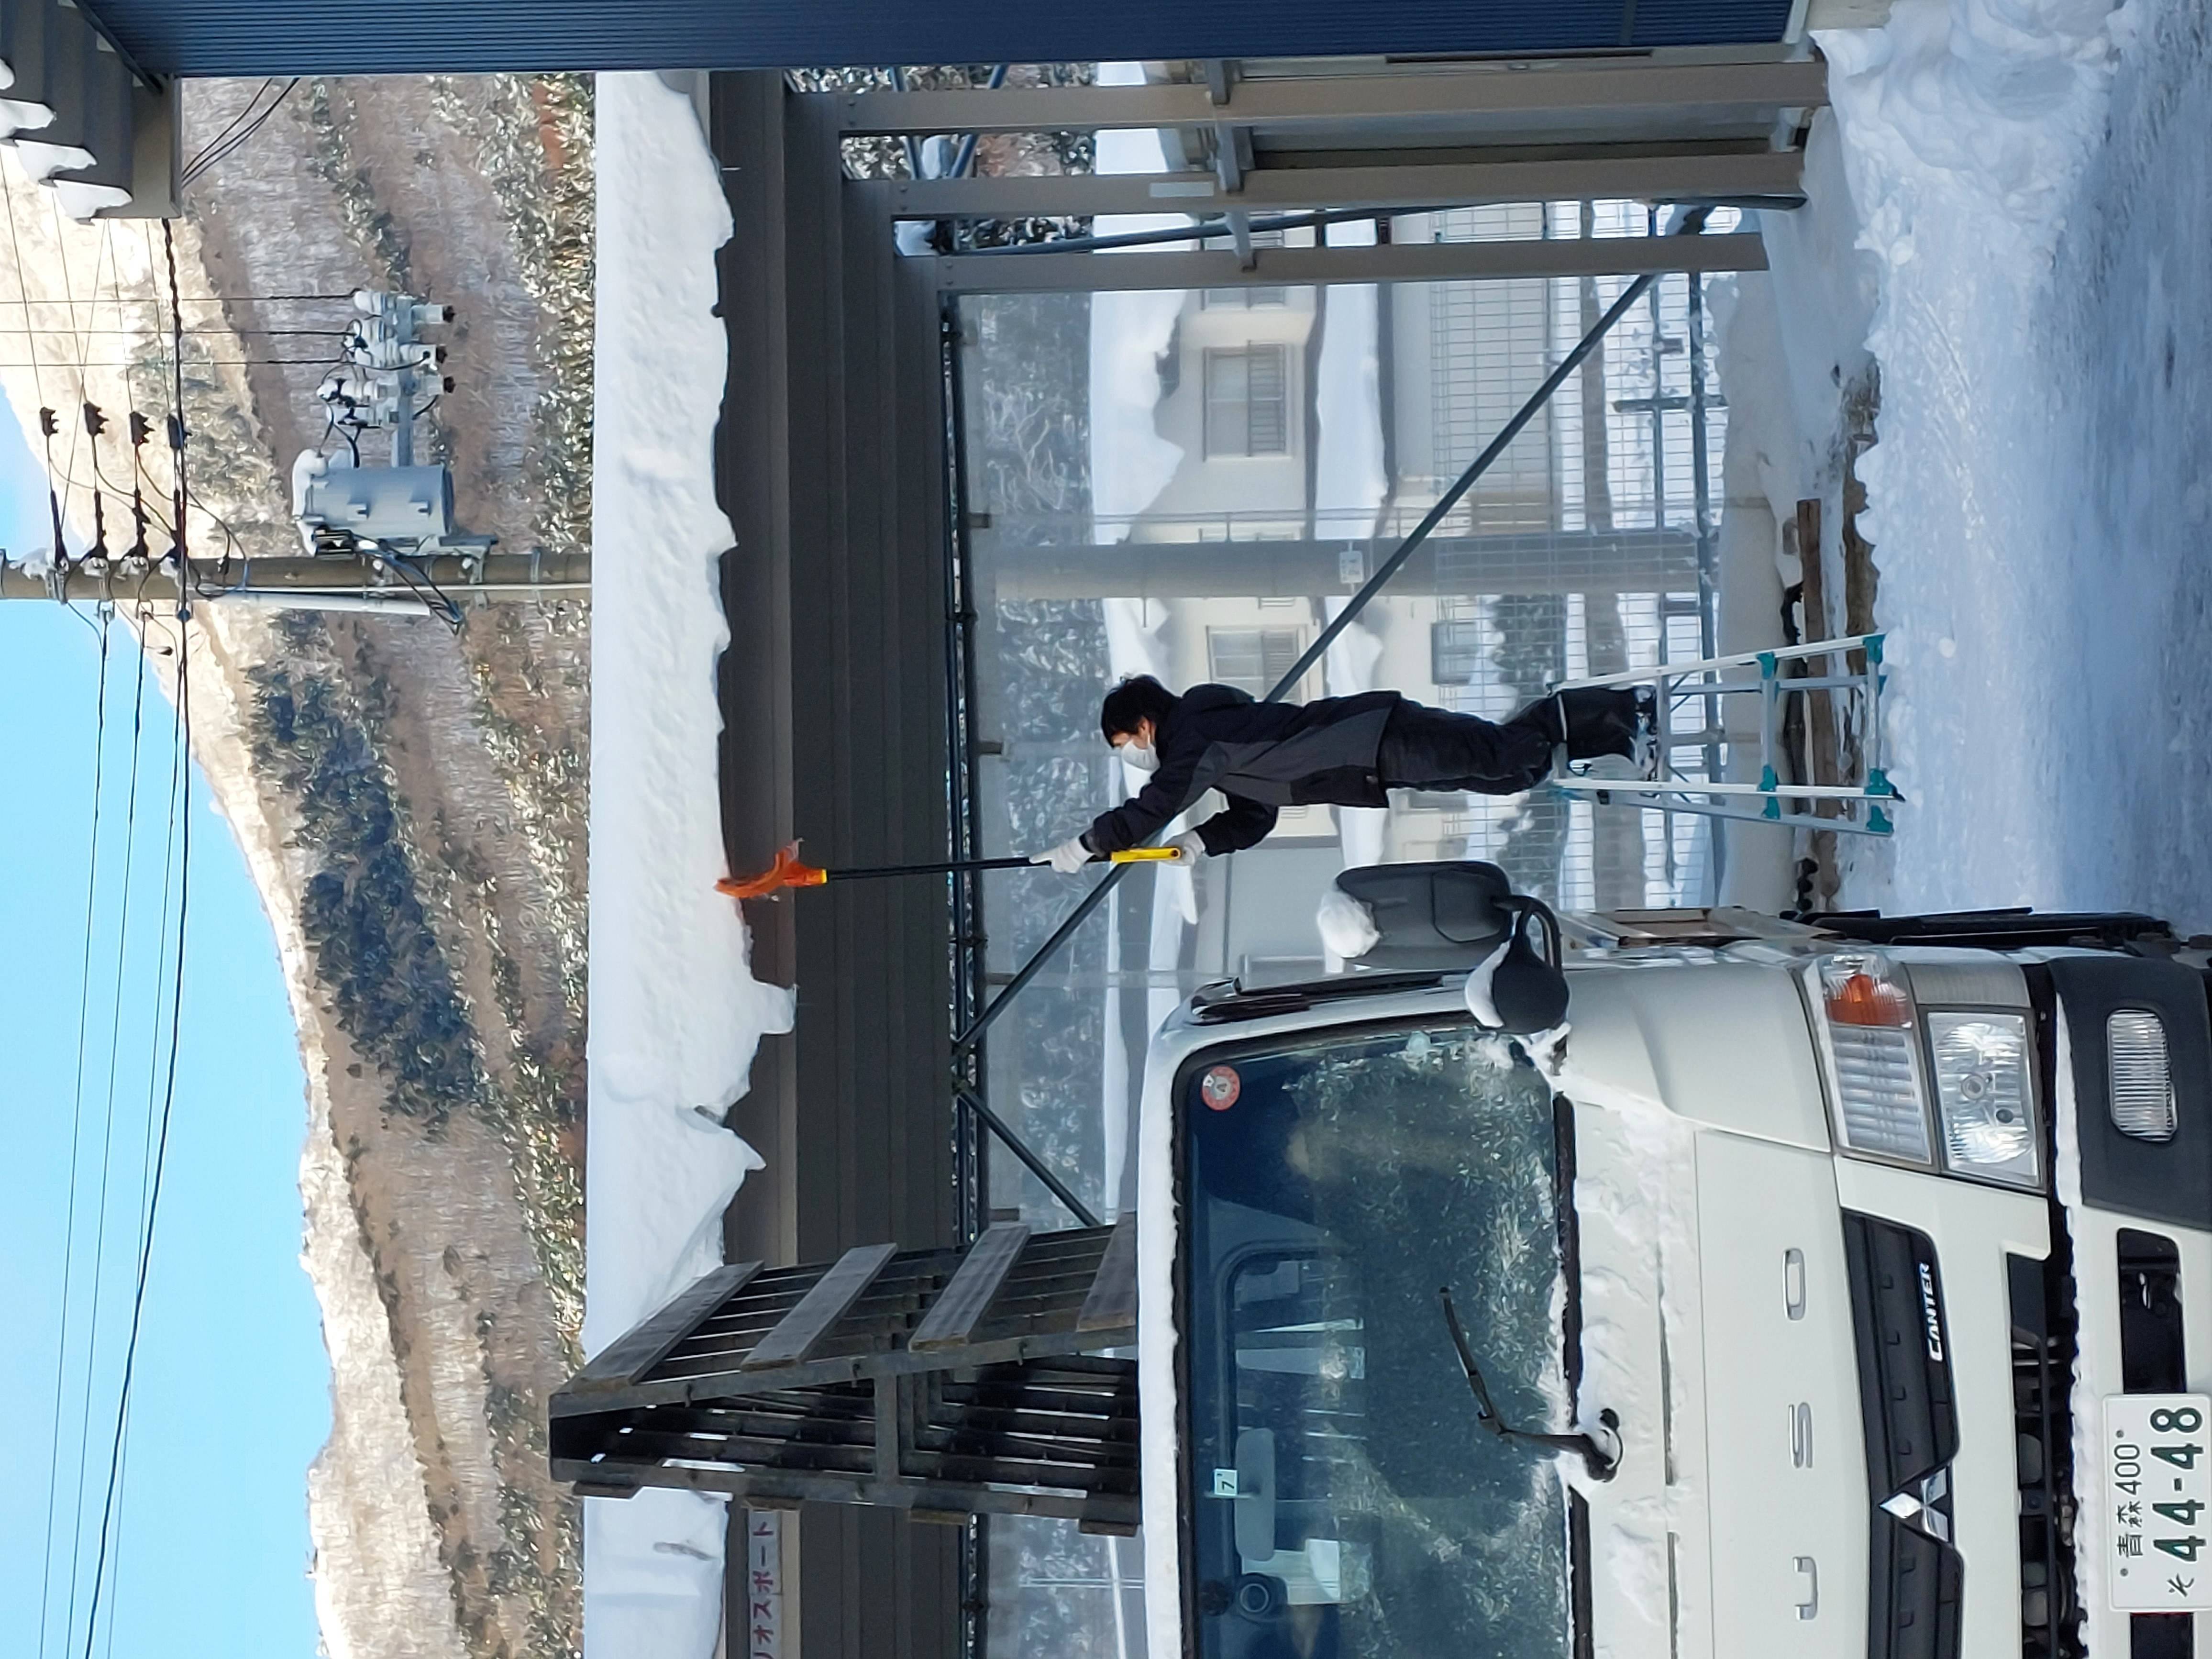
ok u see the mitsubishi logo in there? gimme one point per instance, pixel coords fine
(1927, 1509)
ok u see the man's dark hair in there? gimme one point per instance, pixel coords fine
(1138, 698)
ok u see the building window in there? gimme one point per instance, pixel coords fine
(1456, 652)
(1252, 659)
(1265, 297)
(1248, 401)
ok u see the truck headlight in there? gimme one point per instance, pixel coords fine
(2141, 1074)
(1948, 1088)
(1982, 1094)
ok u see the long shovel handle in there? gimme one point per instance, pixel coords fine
(788, 872)
(953, 866)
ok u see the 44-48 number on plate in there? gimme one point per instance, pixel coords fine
(2158, 1490)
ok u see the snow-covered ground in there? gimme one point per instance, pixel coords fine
(676, 1012)
(2031, 176)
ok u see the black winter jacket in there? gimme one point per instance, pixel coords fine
(1262, 755)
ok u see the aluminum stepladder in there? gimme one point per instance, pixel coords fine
(1860, 808)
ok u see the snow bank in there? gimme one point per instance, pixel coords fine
(1130, 462)
(1966, 125)
(1635, 1197)
(676, 1012)
(2039, 508)
(1349, 479)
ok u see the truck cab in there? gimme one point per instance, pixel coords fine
(1871, 1256)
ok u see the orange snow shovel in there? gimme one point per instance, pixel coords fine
(788, 872)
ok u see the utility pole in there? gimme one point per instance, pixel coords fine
(374, 536)
(318, 581)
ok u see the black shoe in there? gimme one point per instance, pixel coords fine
(1601, 720)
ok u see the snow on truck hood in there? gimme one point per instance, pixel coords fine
(1652, 1055)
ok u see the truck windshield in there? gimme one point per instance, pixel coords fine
(1344, 1500)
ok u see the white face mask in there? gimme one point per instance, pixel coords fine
(1141, 756)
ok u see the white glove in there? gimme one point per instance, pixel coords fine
(1067, 858)
(1190, 847)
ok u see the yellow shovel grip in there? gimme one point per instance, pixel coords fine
(1142, 855)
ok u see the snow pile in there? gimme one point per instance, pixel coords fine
(1350, 480)
(2040, 475)
(1635, 1200)
(676, 1012)
(1130, 462)
(1966, 126)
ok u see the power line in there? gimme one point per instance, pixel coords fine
(22, 277)
(68, 1243)
(215, 363)
(168, 1105)
(108, 1134)
(177, 766)
(28, 299)
(69, 288)
(135, 333)
(232, 125)
(212, 156)
(178, 435)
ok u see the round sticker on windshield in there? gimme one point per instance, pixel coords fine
(1219, 1087)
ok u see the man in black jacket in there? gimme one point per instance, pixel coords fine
(1338, 752)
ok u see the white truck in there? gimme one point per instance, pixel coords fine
(1873, 1257)
(1833, 1288)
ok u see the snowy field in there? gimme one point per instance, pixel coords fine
(2038, 498)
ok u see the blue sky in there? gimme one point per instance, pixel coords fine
(232, 1395)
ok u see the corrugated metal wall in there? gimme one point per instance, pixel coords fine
(345, 37)
(830, 460)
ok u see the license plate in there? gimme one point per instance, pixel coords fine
(2157, 1501)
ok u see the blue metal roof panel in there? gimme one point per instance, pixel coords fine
(1706, 23)
(341, 37)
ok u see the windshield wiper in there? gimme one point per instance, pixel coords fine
(1601, 1464)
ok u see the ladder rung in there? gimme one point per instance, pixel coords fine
(1112, 1302)
(962, 1304)
(799, 1332)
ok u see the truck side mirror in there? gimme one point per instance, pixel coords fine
(1445, 916)
(1526, 989)
(1452, 917)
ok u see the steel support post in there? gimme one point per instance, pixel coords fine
(1393, 184)
(1386, 262)
(1020, 1148)
(1564, 88)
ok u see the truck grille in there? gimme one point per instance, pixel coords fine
(2042, 1427)
(1916, 1578)
(1904, 1368)
(1917, 1583)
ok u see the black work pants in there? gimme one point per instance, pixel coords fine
(1435, 749)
